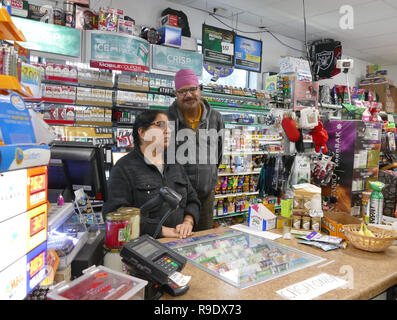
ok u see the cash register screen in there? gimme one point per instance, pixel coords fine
(145, 249)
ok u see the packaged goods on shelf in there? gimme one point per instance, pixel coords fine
(60, 72)
(59, 92)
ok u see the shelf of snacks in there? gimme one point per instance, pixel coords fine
(232, 206)
(243, 93)
(228, 215)
(238, 194)
(243, 173)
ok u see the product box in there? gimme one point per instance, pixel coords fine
(293, 65)
(356, 146)
(332, 223)
(83, 18)
(170, 36)
(271, 84)
(38, 13)
(261, 218)
(15, 122)
(389, 178)
(282, 221)
(18, 7)
(189, 44)
(169, 20)
(125, 26)
(108, 285)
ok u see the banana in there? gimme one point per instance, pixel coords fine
(361, 231)
(368, 232)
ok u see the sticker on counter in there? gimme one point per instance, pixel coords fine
(312, 287)
(180, 279)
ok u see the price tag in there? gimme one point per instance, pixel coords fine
(227, 48)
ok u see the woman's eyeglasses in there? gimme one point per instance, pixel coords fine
(183, 92)
(160, 124)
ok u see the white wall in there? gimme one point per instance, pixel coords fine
(355, 75)
(147, 12)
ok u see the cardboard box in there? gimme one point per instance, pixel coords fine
(189, 44)
(332, 223)
(261, 218)
(293, 65)
(125, 26)
(385, 94)
(170, 36)
(282, 221)
(169, 20)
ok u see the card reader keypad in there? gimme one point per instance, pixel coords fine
(167, 264)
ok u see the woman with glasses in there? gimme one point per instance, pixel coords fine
(138, 176)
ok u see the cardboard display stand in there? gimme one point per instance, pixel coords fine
(356, 147)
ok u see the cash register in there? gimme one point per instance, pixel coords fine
(151, 260)
(156, 263)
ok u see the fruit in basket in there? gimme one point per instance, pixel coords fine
(361, 231)
(368, 232)
(364, 231)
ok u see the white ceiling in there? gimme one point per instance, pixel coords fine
(373, 37)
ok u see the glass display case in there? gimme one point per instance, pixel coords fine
(242, 259)
(66, 235)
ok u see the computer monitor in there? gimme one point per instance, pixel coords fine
(76, 165)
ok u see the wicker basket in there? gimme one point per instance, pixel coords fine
(373, 244)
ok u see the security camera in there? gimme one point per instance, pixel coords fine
(345, 64)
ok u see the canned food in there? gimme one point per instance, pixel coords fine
(59, 16)
(68, 6)
(118, 229)
(296, 222)
(306, 223)
(316, 224)
(112, 260)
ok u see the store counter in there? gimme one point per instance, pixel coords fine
(368, 275)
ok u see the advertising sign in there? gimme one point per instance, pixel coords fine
(36, 270)
(30, 77)
(49, 38)
(112, 51)
(218, 45)
(13, 193)
(356, 146)
(172, 60)
(13, 281)
(248, 54)
(15, 123)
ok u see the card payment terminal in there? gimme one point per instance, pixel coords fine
(155, 262)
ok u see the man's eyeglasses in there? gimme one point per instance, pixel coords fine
(183, 92)
(161, 124)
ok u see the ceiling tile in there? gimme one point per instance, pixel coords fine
(255, 20)
(392, 3)
(389, 39)
(373, 11)
(209, 7)
(312, 7)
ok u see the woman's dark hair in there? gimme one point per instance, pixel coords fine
(144, 120)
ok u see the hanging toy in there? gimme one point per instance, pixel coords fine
(320, 138)
(289, 126)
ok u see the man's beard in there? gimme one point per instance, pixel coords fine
(187, 107)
